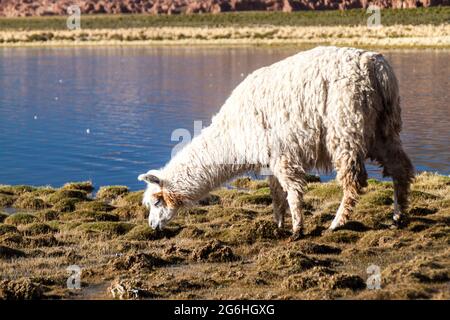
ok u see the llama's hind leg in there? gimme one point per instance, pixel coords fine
(279, 199)
(291, 177)
(397, 165)
(352, 175)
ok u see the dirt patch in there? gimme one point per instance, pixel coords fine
(214, 251)
(290, 259)
(137, 262)
(21, 289)
(265, 230)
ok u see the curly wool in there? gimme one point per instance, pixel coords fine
(325, 108)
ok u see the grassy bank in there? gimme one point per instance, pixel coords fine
(412, 28)
(386, 37)
(227, 247)
(389, 17)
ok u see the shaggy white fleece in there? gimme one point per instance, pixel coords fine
(324, 108)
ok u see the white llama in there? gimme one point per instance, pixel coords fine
(320, 109)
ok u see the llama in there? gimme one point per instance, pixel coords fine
(326, 108)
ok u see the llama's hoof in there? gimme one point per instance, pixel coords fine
(335, 225)
(399, 222)
(297, 235)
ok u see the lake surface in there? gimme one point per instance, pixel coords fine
(108, 114)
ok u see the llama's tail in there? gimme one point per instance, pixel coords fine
(386, 84)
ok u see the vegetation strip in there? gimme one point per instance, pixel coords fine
(389, 17)
(227, 247)
(394, 36)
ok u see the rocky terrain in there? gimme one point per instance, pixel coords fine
(225, 247)
(16, 8)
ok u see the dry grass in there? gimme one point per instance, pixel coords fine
(401, 36)
(229, 247)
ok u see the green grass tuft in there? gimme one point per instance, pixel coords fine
(86, 186)
(20, 218)
(111, 192)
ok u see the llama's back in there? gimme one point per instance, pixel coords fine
(311, 100)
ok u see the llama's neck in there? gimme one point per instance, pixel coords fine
(203, 165)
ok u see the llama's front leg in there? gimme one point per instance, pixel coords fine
(345, 209)
(295, 200)
(279, 200)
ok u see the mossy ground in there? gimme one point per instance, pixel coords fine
(228, 247)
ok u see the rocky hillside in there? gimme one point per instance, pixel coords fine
(19, 8)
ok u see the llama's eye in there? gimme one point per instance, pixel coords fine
(157, 203)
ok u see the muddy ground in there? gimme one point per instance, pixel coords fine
(226, 248)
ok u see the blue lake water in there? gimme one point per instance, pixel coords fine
(108, 114)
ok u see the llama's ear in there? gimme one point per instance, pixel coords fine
(150, 177)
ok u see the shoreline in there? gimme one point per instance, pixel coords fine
(395, 37)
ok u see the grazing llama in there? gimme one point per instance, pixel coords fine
(320, 109)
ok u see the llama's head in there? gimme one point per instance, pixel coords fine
(162, 203)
